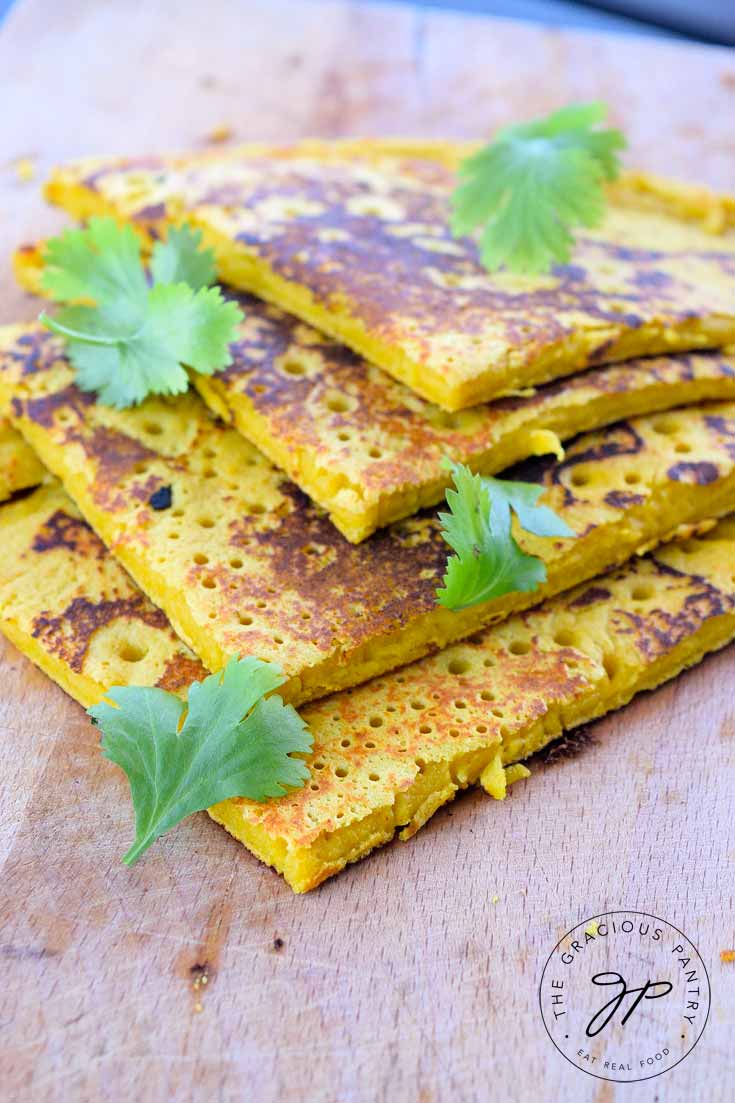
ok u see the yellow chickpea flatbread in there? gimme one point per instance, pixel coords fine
(20, 467)
(243, 563)
(354, 239)
(369, 450)
(71, 608)
(388, 754)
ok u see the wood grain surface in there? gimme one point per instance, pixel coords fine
(414, 975)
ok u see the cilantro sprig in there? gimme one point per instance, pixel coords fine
(233, 742)
(127, 336)
(534, 184)
(488, 561)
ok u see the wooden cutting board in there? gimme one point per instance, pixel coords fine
(414, 975)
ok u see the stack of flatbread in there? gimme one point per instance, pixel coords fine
(286, 507)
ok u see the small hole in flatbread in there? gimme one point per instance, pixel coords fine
(131, 652)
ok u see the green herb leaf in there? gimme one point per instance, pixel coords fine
(179, 259)
(533, 184)
(97, 264)
(136, 340)
(488, 561)
(234, 742)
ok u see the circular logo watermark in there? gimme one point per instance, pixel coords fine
(624, 996)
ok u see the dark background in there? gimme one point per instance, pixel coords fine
(702, 20)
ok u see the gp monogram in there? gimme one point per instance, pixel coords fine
(624, 996)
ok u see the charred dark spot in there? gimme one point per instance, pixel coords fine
(619, 440)
(623, 499)
(156, 211)
(723, 425)
(725, 428)
(336, 576)
(659, 631)
(654, 278)
(45, 409)
(665, 569)
(631, 253)
(590, 597)
(699, 472)
(572, 272)
(37, 350)
(72, 533)
(116, 456)
(69, 634)
(161, 498)
(179, 673)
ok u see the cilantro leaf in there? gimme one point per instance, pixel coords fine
(176, 326)
(533, 184)
(488, 561)
(98, 264)
(136, 340)
(179, 259)
(234, 742)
